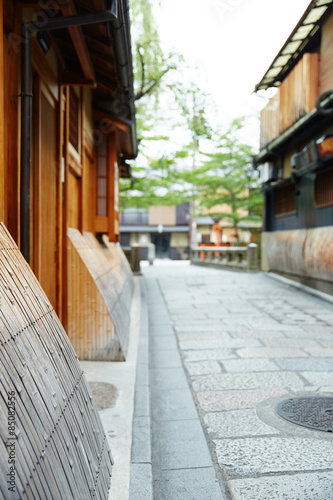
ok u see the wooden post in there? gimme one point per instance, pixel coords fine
(252, 256)
(3, 169)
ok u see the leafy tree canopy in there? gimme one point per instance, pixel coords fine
(203, 165)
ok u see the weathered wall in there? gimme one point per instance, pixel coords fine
(304, 252)
(49, 421)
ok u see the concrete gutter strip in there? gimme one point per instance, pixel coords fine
(117, 421)
(141, 487)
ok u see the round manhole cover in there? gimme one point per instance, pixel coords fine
(311, 412)
(105, 395)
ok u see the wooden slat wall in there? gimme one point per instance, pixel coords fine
(326, 53)
(100, 285)
(299, 91)
(61, 451)
(269, 121)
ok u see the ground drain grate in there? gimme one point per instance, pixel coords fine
(311, 412)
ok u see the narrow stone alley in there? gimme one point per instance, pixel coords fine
(225, 348)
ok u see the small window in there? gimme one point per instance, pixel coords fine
(324, 189)
(102, 180)
(285, 199)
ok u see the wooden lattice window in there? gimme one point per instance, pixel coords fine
(323, 196)
(74, 120)
(285, 199)
(102, 180)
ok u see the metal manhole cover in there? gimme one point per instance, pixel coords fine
(105, 395)
(311, 412)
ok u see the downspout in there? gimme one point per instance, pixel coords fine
(121, 41)
(110, 14)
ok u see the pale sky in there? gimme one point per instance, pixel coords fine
(232, 42)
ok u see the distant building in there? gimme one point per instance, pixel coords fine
(168, 228)
(296, 153)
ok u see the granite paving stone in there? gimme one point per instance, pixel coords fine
(313, 486)
(202, 335)
(203, 367)
(319, 352)
(320, 378)
(207, 354)
(200, 328)
(234, 400)
(305, 364)
(242, 381)
(298, 343)
(264, 455)
(249, 365)
(270, 352)
(218, 343)
(239, 423)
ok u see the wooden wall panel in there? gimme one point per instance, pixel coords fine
(61, 450)
(299, 91)
(45, 186)
(269, 121)
(326, 54)
(100, 288)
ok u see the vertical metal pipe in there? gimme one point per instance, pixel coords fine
(26, 106)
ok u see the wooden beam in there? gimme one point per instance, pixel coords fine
(106, 85)
(3, 170)
(80, 45)
(43, 5)
(100, 116)
(71, 78)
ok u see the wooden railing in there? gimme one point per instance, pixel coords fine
(237, 257)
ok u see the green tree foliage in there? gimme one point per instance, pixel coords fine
(166, 173)
(226, 179)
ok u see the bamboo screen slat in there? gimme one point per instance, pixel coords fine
(49, 423)
(100, 286)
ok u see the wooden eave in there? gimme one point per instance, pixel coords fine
(87, 58)
(302, 39)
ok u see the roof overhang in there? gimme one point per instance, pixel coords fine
(298, 42)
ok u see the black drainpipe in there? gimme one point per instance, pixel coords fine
(110, 14)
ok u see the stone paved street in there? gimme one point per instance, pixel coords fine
(246, 341)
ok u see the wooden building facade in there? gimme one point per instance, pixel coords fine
(68, 126)
(296, 153)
